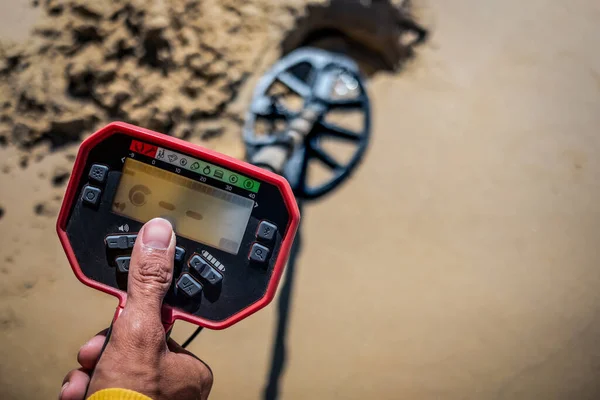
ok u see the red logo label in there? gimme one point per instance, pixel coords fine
(143, 148)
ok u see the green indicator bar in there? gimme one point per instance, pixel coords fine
(207, 169)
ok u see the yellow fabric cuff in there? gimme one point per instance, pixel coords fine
(118, 394)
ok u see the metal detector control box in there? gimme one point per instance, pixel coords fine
(235, 223)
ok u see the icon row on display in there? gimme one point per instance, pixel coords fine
(207, 170)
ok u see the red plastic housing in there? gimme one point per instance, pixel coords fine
(171, 314)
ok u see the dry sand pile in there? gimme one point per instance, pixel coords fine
(172, 66)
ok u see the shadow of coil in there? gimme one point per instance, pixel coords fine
(378, 34)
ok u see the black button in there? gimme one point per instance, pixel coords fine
(179, 254)
(198, 263)
(205, 270)
(189, 285)
(266, 230)
(123, 264)
(98, 173)
(211, 275)
(259, 253)
(117, 242)
(131, 241)
(91, 195)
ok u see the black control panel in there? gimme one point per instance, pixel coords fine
(129, 181)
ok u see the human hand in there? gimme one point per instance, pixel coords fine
(138, 357)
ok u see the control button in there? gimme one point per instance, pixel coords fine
(266, 230)
(117, 242)
(131, 241)
(259, 253)
(98, 173)
(198, 263)
(205, 270)
(91, 195)
(179, 254)
(189, 285)
(123, 264)
(211, 275)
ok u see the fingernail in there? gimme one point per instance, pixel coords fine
(157, 234)
(63, 388)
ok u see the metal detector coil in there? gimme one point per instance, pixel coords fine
(293, 114)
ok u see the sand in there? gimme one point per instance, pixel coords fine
(459, 262)
(172, 66)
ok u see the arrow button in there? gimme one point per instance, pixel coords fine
(123, 264)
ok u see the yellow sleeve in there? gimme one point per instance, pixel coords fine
(118, 394)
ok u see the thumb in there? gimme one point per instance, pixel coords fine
(138, 337)
(150, 272)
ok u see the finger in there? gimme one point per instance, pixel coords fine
(150, 275)
(176, 348)
(151, 267)
(74, 385)
(199, 374)
(90, 352)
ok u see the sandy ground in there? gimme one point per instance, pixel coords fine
(460, 262)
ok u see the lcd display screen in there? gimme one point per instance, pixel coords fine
(197, 211)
